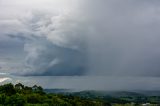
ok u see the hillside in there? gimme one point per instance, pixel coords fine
(20, 95)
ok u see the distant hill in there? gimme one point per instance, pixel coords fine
(96, 93)
(149, 92)
(57, 90)
(102, 94)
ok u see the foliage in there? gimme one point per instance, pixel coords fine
(20, 95)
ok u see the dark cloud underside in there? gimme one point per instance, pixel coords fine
(81, 38)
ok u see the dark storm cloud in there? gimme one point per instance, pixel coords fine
(54, 50)
(102, 37)
(46, 59)
(114, 42)
(53, 43)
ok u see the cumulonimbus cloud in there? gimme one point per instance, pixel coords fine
(57, 41)
(54, 42)
(116, 37)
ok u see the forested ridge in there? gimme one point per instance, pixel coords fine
(20, 95)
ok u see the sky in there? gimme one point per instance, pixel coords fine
(81, 44)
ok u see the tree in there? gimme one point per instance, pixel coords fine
(27, 90)
(19, 86)
(35, 87)
(8, 89)
(15, 100)
(38, 89)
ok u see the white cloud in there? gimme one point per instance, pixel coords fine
(5, 79)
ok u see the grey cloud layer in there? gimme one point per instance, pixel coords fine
(101, 37)
(125, 39)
